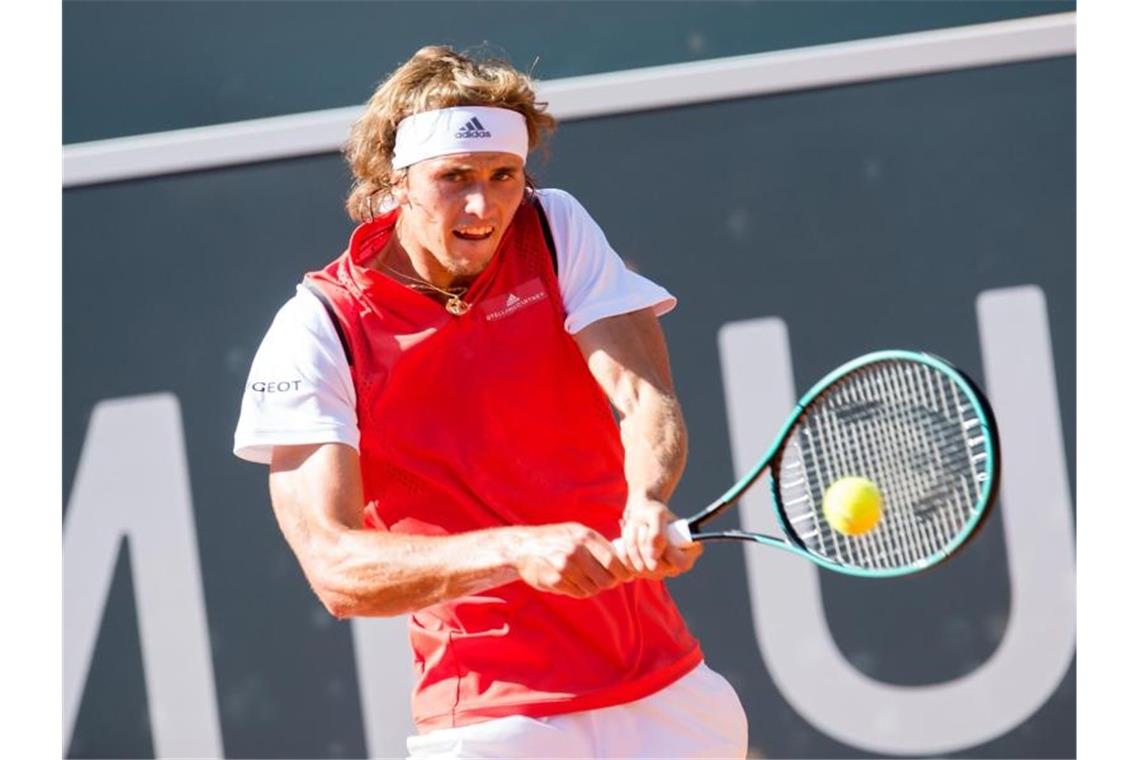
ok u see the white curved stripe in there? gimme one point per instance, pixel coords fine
(811, 67)
(179, 150)
(598, 95)
(812, 673)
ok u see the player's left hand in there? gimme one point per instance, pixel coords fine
(648, 553)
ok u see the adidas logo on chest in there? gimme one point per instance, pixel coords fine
(520, 297)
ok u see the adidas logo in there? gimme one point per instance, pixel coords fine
(515, 302)
(472, 129)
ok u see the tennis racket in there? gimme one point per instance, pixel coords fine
(912, 424)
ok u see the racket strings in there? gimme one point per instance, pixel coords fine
(914, 538)
(918, 541)
(920, 537)
(912, 431)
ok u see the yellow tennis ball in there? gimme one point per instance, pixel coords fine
(852, 505)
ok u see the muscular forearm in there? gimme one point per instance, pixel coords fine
(655, 451)
(656, 445)
(627, 356)
(317, 496)
(417, 571)
(371, 573)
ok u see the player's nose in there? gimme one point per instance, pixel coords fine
(476, 202)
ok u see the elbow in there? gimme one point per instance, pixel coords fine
(339, 610)
(340, 606)
(334, 587)
(339, 602)
(330, 569)
(343, 603)
(349, 588)
(325, 570)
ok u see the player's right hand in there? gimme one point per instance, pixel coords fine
(568, 558)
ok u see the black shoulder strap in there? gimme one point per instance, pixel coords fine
(332, 315)
(546, 233)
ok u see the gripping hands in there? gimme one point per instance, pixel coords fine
(572, 559)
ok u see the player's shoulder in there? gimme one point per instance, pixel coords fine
(302, 312)
(556, 201)
(301, 333)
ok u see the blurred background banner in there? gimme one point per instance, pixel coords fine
(812, 180)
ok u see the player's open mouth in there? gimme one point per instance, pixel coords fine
(473, 233)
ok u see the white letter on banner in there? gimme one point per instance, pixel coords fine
(384, 672)
(132, 481)
(791, 628)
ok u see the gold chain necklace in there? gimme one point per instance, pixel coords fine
(455, 303)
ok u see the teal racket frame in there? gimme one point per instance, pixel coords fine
(987, 492)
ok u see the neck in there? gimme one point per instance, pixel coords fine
(413, 261)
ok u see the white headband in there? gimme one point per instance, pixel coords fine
(462, 129)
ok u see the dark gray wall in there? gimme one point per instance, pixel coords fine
(924, 191)
(136, 67)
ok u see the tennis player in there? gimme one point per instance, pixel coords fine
(435, 409)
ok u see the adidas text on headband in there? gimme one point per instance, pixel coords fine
(461, 129)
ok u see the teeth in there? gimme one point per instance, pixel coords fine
(474, 231)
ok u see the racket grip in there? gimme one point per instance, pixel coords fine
(677, 533)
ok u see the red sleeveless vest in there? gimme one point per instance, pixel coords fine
(492, 419)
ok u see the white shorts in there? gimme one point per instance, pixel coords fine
(698, 715)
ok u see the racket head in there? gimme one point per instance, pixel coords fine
(917, 427)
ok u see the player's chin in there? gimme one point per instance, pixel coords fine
(470, 266)
(467, 267)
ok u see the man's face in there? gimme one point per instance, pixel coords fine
(456, 208)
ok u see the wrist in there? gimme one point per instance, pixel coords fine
(643, 503)
(507, 548)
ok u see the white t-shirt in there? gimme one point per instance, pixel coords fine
(300, 387)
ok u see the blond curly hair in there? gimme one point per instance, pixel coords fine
(435, 77)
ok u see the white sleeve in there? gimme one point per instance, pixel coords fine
(595, 283)
(299, 388)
